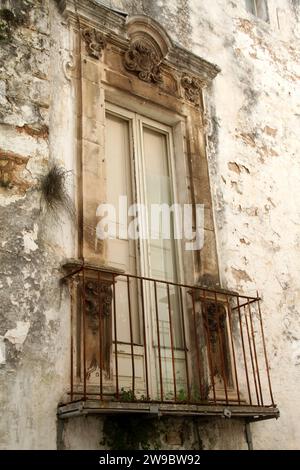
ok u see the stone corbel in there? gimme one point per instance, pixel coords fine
(98, 298)
(95, 42)
(214, 317)
(192, 89)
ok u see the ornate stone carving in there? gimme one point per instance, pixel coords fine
(98, 297)
(95, 42)
(143, 60)
(192, 89)
(207, 124)
(214, 320)
(68, 67)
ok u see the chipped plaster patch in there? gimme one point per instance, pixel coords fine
(29, 239)
(7, 200)
(240, 275)
(2, 351)
(18, 335)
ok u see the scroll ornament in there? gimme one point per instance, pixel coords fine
(144, 61)
(192, 88)
(95, 42)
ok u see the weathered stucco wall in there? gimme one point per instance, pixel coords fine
(165, 433)
(33, 320)
(253, 152)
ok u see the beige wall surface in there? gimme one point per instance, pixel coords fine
(252, 146)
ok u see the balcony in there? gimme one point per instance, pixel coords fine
(142, 345)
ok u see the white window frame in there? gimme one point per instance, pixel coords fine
(136, 123)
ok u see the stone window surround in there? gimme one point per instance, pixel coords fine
(133, 63)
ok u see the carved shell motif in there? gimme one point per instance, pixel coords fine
(143, 60)
(95, 42)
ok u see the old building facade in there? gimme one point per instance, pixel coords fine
(186, 102)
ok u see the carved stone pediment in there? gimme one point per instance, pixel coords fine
(144, 61)
(120, 28)
(95, 42)
(192, 89)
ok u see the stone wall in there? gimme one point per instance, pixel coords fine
(253, 151)
(164, 433)
(33, 320)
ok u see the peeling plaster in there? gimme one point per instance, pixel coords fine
(2, 351)
(29, 239)
(18, 335)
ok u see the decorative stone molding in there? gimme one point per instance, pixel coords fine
(124, 32)
(95, 42)
(207, 124)
(144, 61)
(214, 320)
(149, 45)
(192, 89)
(92, 13)
(69, 66)
(145, 29)
(98, 298)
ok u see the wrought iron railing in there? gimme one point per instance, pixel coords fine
(137, 339)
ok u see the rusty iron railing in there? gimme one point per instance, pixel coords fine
(138, 339)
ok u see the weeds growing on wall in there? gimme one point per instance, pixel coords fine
(127, 432)
(55, 198)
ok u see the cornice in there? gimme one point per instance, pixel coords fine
(92, 13)
(122, 30)
(190, 63)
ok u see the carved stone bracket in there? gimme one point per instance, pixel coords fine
(214, 316)
(95, 42)
(144, 61)
(192, 89)
(98, 298)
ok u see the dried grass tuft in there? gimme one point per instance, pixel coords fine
(54, 192)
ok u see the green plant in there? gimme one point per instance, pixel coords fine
(182, 395)
(144, 398)
(127, 395)
(130, 432)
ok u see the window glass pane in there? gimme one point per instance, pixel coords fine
(121, 251)
(159, 191)
(162, 251)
